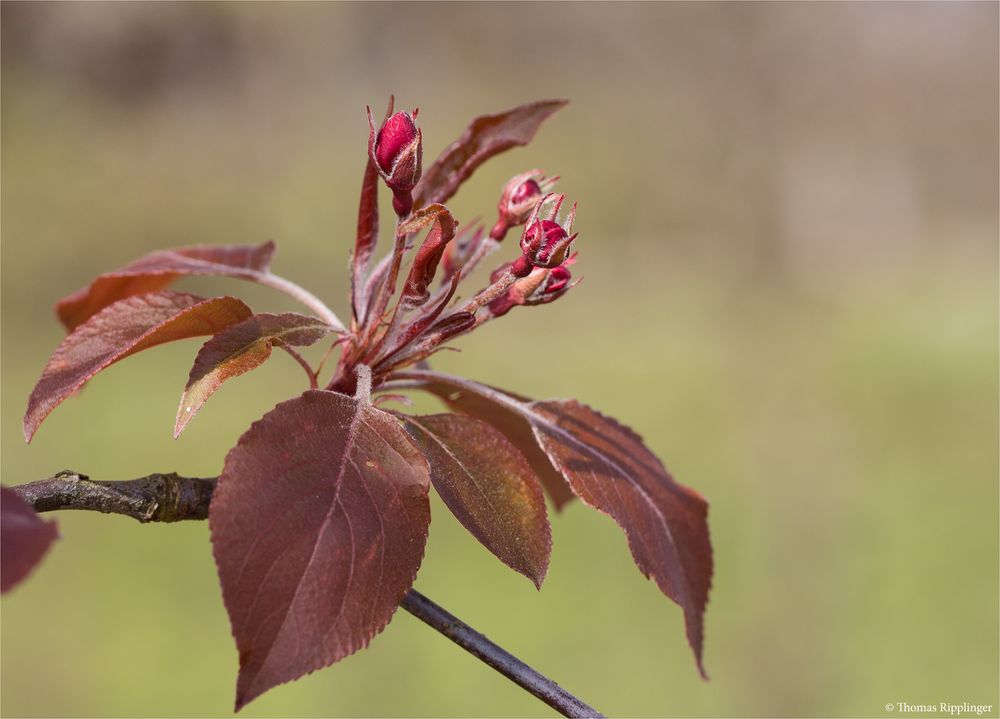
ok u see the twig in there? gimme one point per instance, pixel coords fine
(153, 498)
(172, 498)
(503, 661)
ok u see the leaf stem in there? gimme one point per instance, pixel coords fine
(305, 365)
(172, 498)
(489, 293)
(304, 296)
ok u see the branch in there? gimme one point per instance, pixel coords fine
(172, 498)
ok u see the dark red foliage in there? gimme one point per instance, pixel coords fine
(321, 513)
(489, 485)
(318, 527)
(240, 348)
(609, 467)
(487, 136)
(24, 539)
(158, 270)
(122, 329)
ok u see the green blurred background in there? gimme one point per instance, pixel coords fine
(788, 218)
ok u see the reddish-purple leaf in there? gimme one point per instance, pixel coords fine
(122, 329)
(364, 243)
(609, 467)
(486, 136)
(666, 523)
(24, 539)
(158, 269)
(318, 528)
(513, 425)
(240, 348)
(428, 256)
(489, 486)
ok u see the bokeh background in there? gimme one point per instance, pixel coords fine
(789, 228)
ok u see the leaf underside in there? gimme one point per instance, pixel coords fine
(122, 329)
(158, 270)
(488, 485)
(24, 539)
(239, 349)
(318, 528)
(486, 136)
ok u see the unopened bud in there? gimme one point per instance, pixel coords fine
(396, 151)
(540, 286)
(558, 278)
(520, 197)
(545, 243)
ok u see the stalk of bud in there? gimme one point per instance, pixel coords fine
(539, 287)
(397, 151)
(520, 196)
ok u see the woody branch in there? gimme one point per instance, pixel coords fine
(173, 498)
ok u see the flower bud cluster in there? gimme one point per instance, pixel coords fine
(425, 318)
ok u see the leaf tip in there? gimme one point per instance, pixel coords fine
(184, 415)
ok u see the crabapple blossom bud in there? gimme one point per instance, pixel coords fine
(558, 278)
(520, 196)
(396, 151)
(545, 243)
(526, 191)
(540, 286)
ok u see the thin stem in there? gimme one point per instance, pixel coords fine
(478, 645)
(172, 498)
(304, 296)
(388, 288)
(490, 293)
(326, 355)
(305, 365)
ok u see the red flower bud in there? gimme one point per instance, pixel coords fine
(545, 242)
(540, 286)
(527, 190)
(558, 278)
(397, 151)
(398, 133)
(520, 197)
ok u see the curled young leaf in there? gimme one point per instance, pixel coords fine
(157, 270)
(122, 329)
(24, 539)
(318, 525)
(240, 348)
(428, 256)
(486, 136)
(488, 485)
